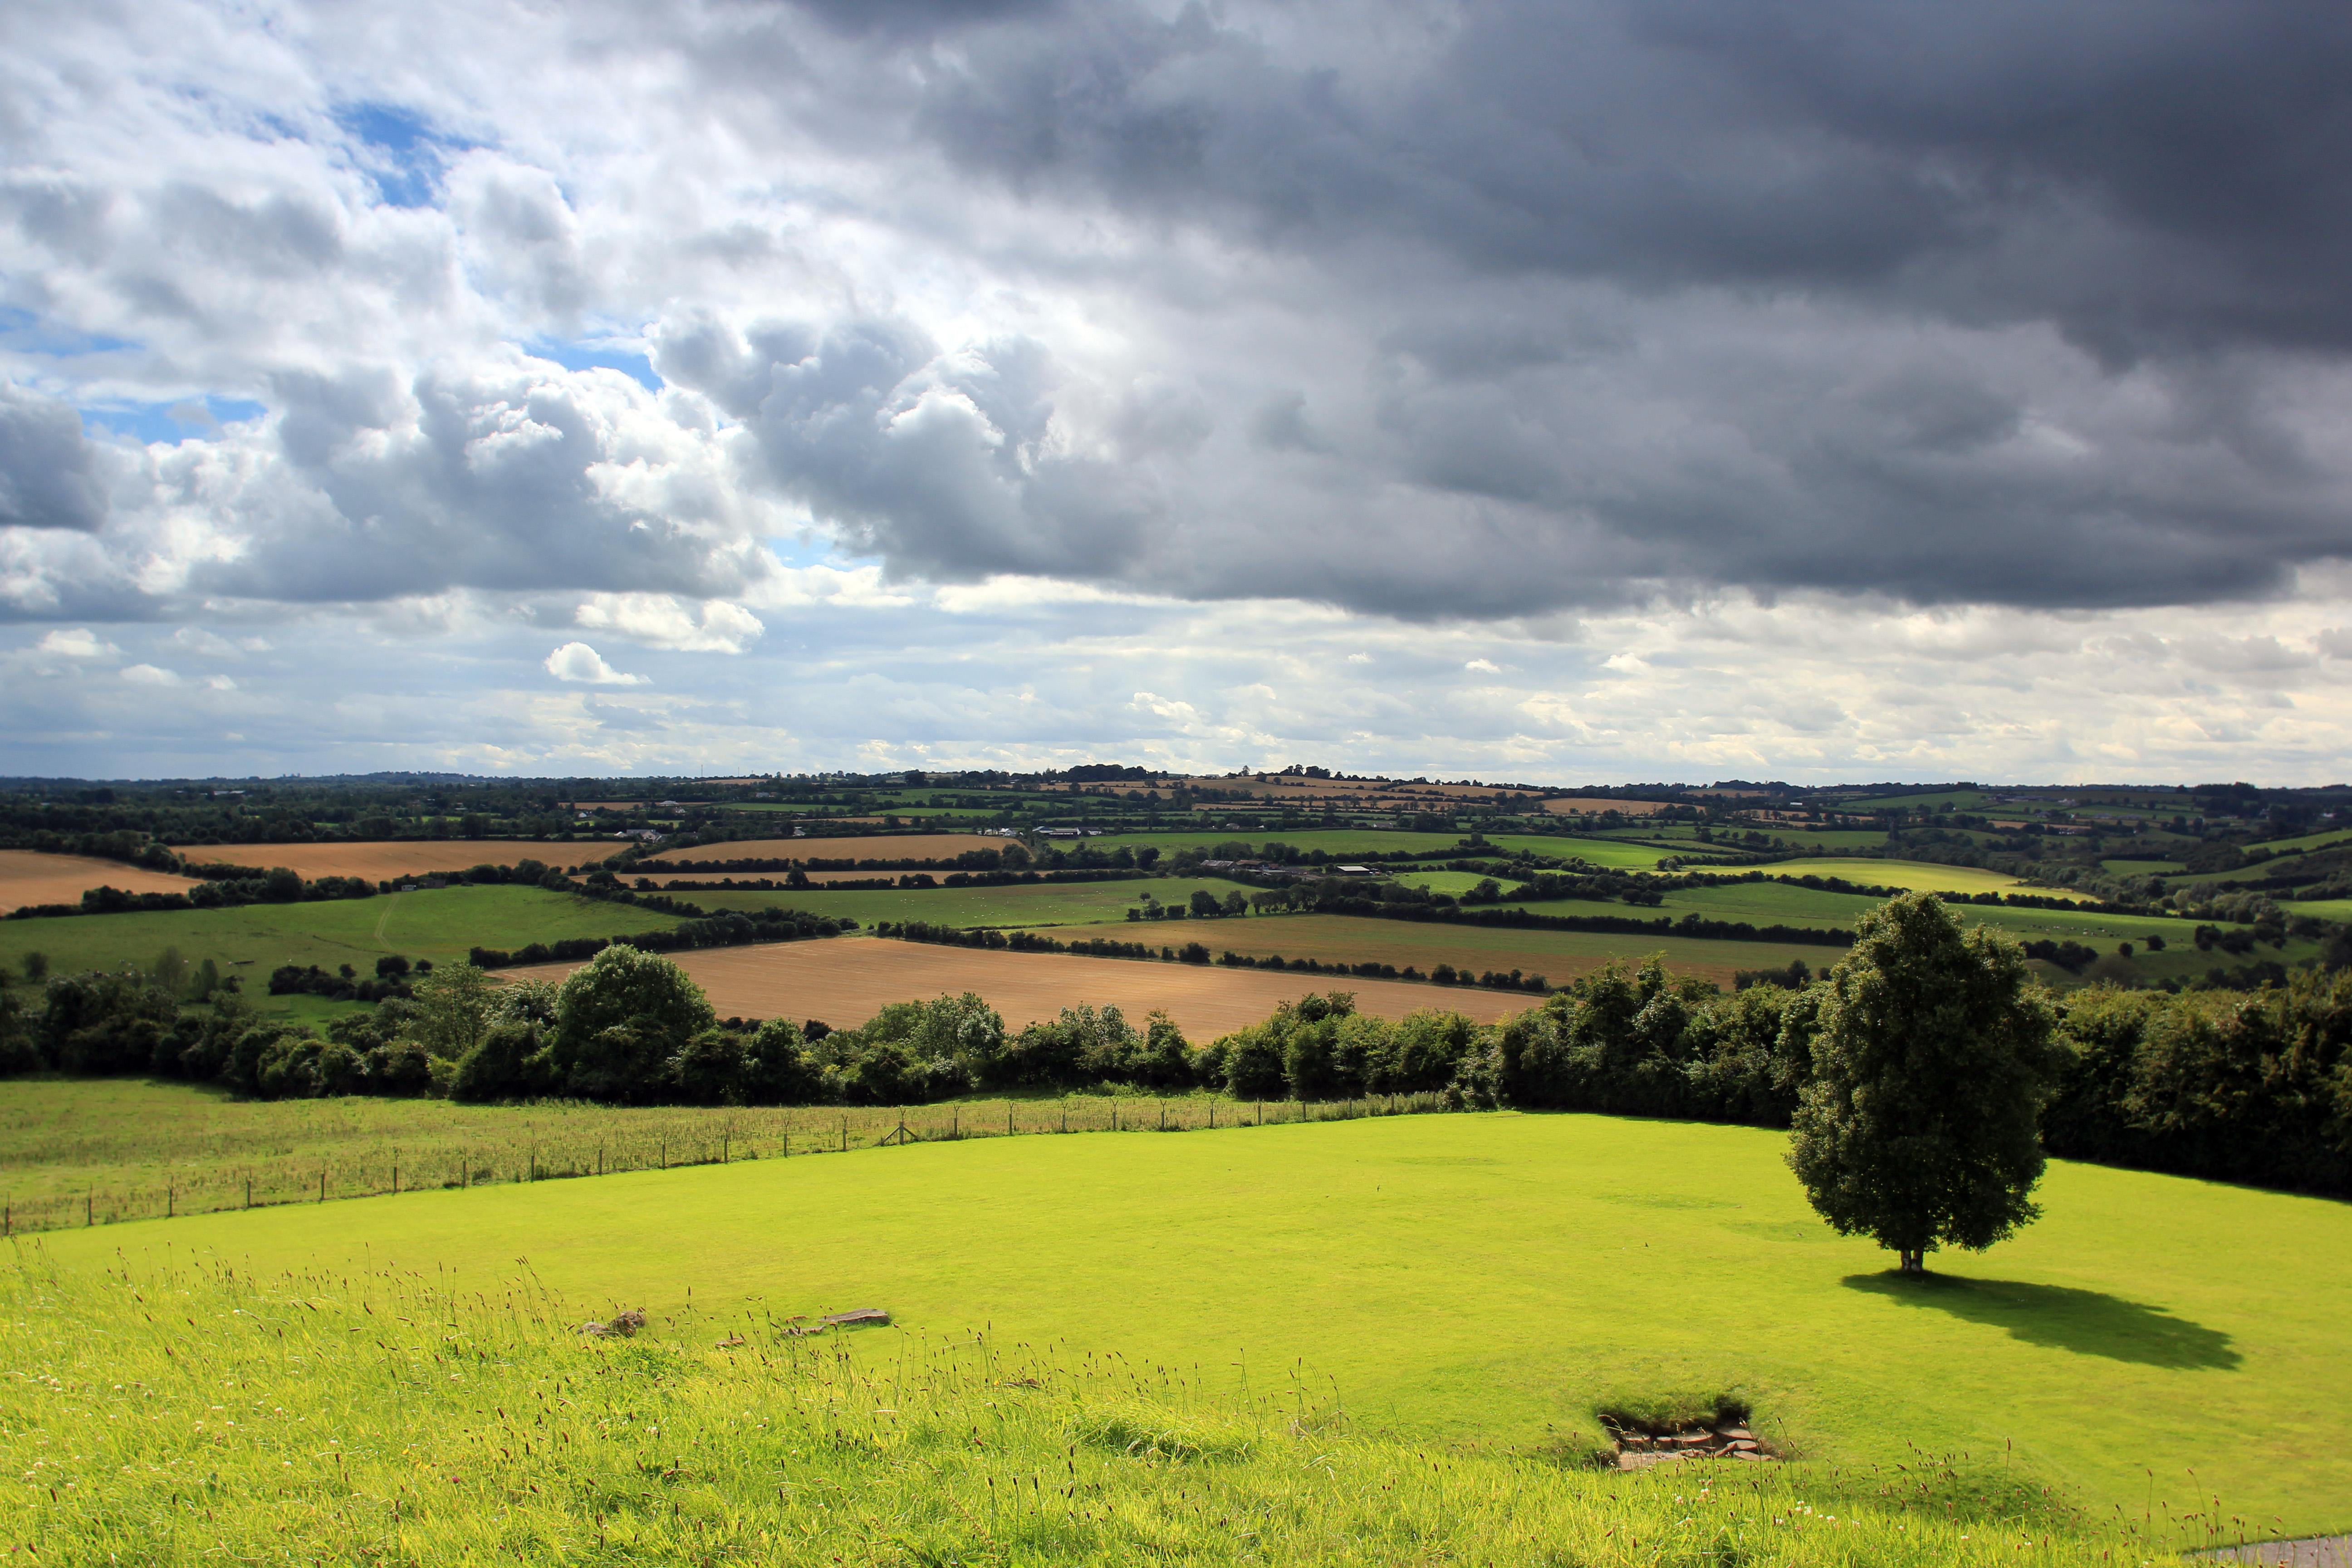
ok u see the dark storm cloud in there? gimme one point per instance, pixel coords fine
(49, 473)
(2151, 174)
(1879, 205)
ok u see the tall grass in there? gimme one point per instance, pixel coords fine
(62, 1170)
(198, 1413)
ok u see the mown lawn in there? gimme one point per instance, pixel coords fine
(1480, 1279)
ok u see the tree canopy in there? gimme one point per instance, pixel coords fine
(1932, 1058)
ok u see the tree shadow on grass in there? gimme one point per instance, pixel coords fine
(2087, 1322)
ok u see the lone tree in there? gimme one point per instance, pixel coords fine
(1934, 1054)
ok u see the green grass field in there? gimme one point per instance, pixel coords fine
(438, 923)
(1387, 841)
(369, 1416)
(1916, 875)
(1558, 955)
(1955, 799)
(1471, 1279)
(1038, 904)
(2143, 868)
(1827, 840)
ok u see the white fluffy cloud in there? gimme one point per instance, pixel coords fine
(578, 661)
(660, 620)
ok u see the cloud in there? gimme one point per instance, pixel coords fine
(659, 620)
(49, 473)
(149, 675)
(1248, 338)
(1483, 666)
(578, 661)
(79, 643)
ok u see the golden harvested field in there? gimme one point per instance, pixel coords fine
(1559, 956)
(28, 876)
(846, 980)
(1588, 805)
(379, 860)
(821, 878)
(879, 847)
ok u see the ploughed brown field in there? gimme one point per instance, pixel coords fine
(846, 980)
(378, 860)
(28, 876)
(878, 847)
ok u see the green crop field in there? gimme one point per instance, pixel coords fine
(1470, 1279)
(1917, 875)
(438, 923)
(1386, 841)
(1036, 904)
(1559, 956)
(1955, 799)
(1778, 903)
(1827, 840)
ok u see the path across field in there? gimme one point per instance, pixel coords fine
(846, 980)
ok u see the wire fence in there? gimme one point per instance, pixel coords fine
(663, 1142)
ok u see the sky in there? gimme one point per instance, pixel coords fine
(1565, 392)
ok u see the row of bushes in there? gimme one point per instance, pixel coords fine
(2253, 1088)
(232, 887)
(729, 928)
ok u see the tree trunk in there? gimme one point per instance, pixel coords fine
(1913, 1261)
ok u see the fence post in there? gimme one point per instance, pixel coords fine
(788, 1145)
(89, 1210)
(1008, 1119)
(322, 1186)
(723, 1141)
(248, 1191)
(844, 1134)
(171, 1202)
(955, 1126)
(1163, 1116)
(665, 1155)
(600, 1159)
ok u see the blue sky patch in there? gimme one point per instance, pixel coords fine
(585, 353)
(184, 419)
(25, 332)
(401, 152)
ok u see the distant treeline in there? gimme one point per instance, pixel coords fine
(729, 928)
(2249, 1087)
(1198, 952)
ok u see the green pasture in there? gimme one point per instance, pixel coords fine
(1036, 904)
(1471, 1279)
(1916, 875)
(2143, 868)
(1558, 955)
(2322, 908)
(2327, 839)
(1346, 841)
(1824, 840)
(369, 1415)
(1778, 903)
(438, 923)
(1938, 800)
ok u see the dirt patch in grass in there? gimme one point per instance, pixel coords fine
(378, 860)
(846, 981)
(28, 877)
